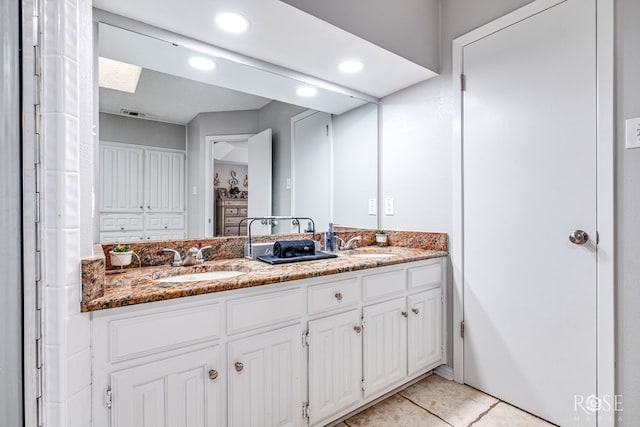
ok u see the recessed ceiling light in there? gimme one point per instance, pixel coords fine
(307, 91)
(350, 66)
(201, 63)
(118, 75)
(232, 22)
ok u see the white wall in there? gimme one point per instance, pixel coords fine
(67, 156)
(628, 212)
(416, 157)
(416, 132)
(355, 166)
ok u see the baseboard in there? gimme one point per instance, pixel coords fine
(445, 372)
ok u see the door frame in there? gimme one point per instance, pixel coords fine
(209, 199)
(605, 314)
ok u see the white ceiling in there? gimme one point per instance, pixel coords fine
(152, 53)
(282, 35)
(175, 99)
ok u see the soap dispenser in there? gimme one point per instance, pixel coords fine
(329, 239)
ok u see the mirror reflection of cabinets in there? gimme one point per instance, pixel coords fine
(141, 193)
(233, 99)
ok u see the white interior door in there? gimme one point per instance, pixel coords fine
(529, 168)
(312, 168)
(259, 173)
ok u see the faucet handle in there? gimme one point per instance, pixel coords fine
(177, 259)
(199, 257)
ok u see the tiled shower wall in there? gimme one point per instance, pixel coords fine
(66, 144)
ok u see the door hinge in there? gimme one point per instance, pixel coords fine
(463, 82)
(462, 329)
(327, 130)
(305, 411)
(108, 398)
(362, 383)
(305, 338)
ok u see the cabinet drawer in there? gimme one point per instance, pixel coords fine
(329, 296)
(121, 236)
(164, 222)
(263, 310)
(428, 276)
(233, 220)
(243, 211)
(231, 211)
(233, 231)
(139, 336)
(382, 284)
(121, 222)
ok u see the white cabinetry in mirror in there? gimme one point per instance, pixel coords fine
(142, 193)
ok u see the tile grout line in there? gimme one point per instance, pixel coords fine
(484, 413)
(426, 410)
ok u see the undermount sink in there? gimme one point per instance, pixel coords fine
(197, 277)
(373, 255)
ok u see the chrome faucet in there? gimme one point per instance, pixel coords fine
(192, 257)
(350, 244)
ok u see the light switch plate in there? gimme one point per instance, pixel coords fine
(388, 206)
(633, 132)
(372, 207)
(288, 184)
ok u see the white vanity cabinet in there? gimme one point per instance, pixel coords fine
(385, 345)
(265, 379)
(335, 363)
(299, 353)
(424, 330)
(183, 390)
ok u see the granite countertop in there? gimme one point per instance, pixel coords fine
(141, 285)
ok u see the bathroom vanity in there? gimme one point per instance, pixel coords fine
(298, 344)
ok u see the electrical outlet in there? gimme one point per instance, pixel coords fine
(194, 190)
(388, 206)
(633, 132)
(288, 184)
(372, 207)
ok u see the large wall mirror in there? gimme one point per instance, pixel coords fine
(190, 143)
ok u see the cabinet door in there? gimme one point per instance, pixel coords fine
(265, 381)
(335, 364)
(425, 330)
(385, 345)
(121, 179)
(173, 392)
(164, 181)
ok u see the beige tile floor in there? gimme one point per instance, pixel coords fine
(436, 402)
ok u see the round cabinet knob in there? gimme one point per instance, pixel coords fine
(578, 237)
(213, 375)
(148, 206)
(338, 296)
(405, 314)
(415, 310)
(239, 366)
(122, 228)
(165, 227)
(357, 328)
(141, 207)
